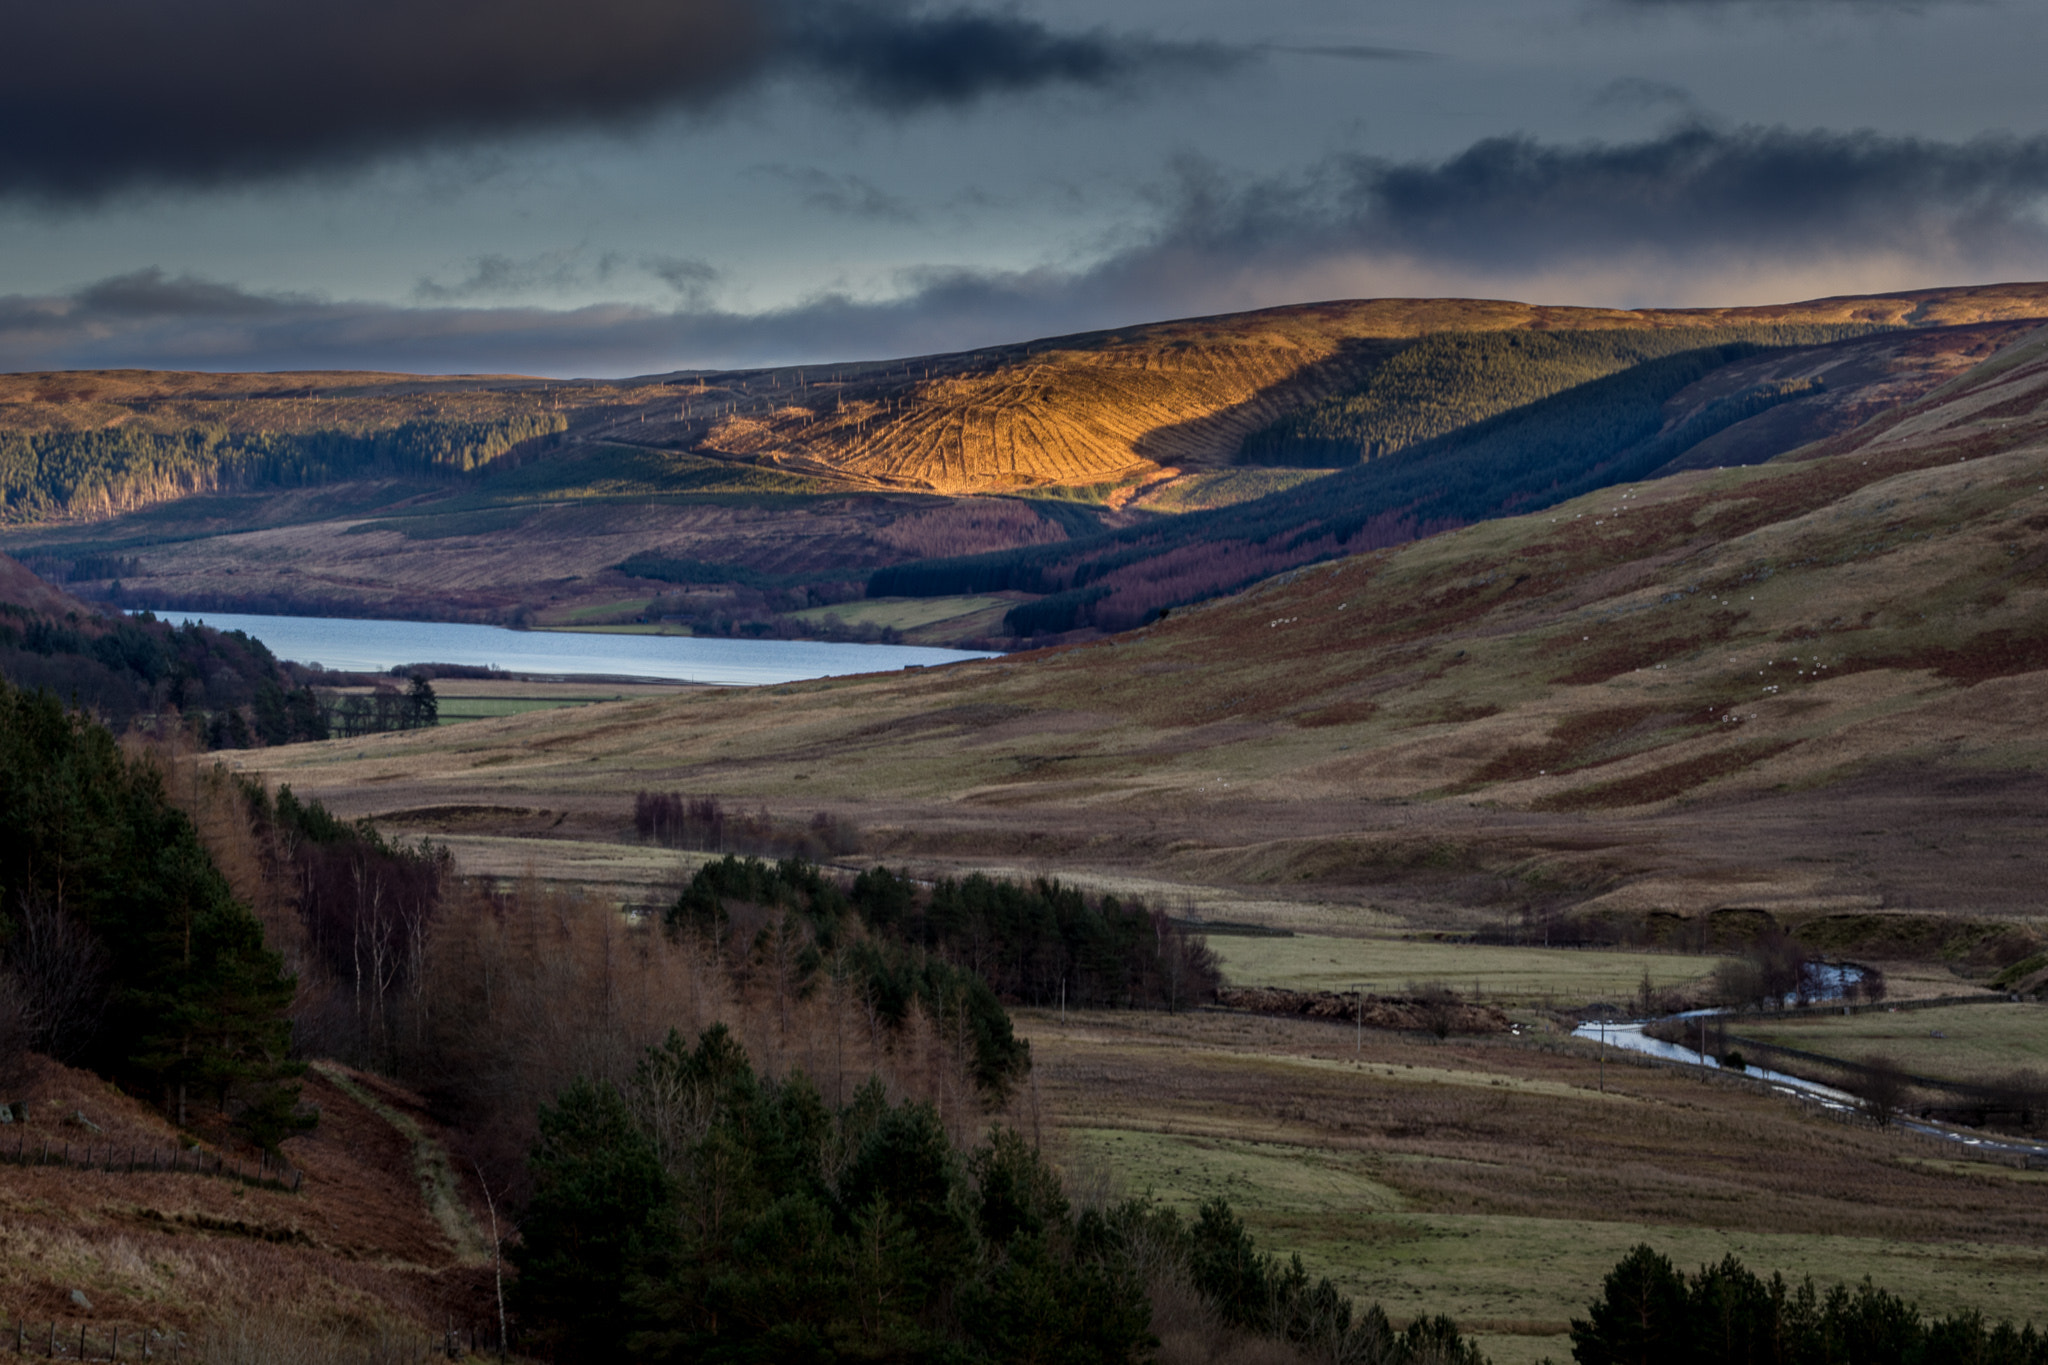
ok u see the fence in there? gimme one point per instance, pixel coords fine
(58, 1342)
(1932, 1002)
(264, 1172)
(125, 1341)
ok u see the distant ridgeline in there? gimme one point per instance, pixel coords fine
(50, 474)
(1448, 380)
(1587, 436)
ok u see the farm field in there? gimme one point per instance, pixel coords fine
(1564, 978)
(901, 613)
(1496, 1181)
(1960, 1043)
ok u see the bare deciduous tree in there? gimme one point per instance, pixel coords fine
(60, 972)
(1881, 1088)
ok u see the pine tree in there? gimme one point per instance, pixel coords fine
(195, 1004)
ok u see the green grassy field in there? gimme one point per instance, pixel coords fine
(1514, 1282)
(583, 614)
(1563, 977)
(1962, 1042)
(899, 613)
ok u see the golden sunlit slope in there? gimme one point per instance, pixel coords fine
(1820, 683)
(1102, 408)
(1181, 396)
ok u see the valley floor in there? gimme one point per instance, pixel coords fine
(1499, 1179)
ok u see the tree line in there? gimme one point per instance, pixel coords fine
(52, 474)
(230, 690)
(1042, 943)
(226, 689)
(703, 822)
(1651, 1313)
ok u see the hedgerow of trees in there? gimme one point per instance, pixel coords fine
(1041, 943)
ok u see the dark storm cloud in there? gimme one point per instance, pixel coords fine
(903, 59)
(1516, 201)
(106, 94)
(1693, 205)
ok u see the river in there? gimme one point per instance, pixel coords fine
(371, 646)
(1629, 1036)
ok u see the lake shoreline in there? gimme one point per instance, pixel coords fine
(375, 645)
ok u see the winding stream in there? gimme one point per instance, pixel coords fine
(1629, 1036)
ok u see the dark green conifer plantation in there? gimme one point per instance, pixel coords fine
(189, 1005)
(703, 1212)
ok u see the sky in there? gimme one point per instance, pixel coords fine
(616, 187)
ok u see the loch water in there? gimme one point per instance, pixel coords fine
(367, 646)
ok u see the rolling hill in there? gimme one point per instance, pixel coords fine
(746, 501)
(1814, 686)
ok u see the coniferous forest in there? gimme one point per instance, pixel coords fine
(125, 948)
(54, 474)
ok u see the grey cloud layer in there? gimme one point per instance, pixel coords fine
(104, 94)
(1683, 207)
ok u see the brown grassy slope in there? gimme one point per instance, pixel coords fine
(1817, 683)
(174, 1250)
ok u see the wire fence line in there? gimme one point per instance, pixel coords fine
(82, 1341)
(265, 1172)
